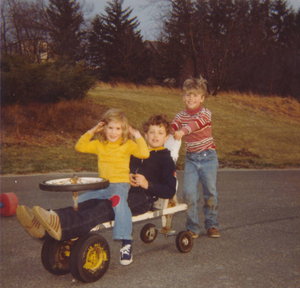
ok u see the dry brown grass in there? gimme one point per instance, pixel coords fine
(140, 88)
(274, 106)
(48, 124)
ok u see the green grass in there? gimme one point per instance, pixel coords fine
(249, 131)
(245, 135)
(37, 159)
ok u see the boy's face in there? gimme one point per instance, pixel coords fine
(193, 101)
(156, 136)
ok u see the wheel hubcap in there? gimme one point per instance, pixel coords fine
(185, 241)
(95, 257)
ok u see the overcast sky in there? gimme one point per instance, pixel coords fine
(147, 16)
(144, 14)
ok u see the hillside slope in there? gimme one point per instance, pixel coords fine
(249, 131)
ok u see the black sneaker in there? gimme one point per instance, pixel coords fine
(126, 255)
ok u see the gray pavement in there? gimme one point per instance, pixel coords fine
(259, 216)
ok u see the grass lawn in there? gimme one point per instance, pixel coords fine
(249, 131)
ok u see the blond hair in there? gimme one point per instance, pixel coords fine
(195, 86)
(115, 115)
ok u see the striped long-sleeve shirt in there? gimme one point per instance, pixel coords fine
(196, 125)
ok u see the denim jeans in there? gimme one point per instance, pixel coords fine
(123, 216)
(201, 167)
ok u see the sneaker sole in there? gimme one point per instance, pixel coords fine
(126, 262)
(194, 236)
(29, 222)
(46, 225)
(214, 236)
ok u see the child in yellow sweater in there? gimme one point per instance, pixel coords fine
(114, 149)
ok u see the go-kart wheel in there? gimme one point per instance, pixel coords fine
(184, 242)
(74, 183)
(8, 204)
(90, 257)
(148, 233)
(55, 256)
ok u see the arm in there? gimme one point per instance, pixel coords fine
(176, 124)
(203, 118)
(134, 166)
(84, 144)
(165, 187)
(140, 148)
(178, 135)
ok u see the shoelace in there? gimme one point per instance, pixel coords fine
(126, 250)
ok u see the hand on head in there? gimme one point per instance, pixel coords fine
(99, 127)
(134, 132)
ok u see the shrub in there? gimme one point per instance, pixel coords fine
(24, 82)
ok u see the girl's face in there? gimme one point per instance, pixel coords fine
(113, 131)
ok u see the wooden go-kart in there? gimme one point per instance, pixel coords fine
(88, 257)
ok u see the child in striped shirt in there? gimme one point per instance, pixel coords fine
(201, 161)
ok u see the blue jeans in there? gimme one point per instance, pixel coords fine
(118, 194)
(201, 166)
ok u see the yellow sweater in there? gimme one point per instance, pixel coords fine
(113, 158)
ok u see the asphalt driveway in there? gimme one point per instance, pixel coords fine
(259, 216)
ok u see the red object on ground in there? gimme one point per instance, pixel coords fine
(8, 204)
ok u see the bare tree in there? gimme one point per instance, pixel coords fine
(21, 34)
(5, 25)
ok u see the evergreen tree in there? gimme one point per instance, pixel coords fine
(121, 53)
(220, 18)
(96, 55)
(203, 37)
(65, 20)
(180, 52)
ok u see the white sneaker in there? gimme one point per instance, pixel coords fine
(126, 255)
(30, 222)
(49, 220)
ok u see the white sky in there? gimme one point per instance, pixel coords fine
(295, 4)
(148, 16)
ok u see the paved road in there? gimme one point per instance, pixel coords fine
(259, 214)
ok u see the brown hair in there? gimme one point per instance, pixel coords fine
(114, 115)
(195, 86)
(158, 120)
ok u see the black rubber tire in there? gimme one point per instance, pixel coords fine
(92, 251)
(74, 187)
(55, 256)
(145, 234)
(184, 242)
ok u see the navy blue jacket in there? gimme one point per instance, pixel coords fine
(159, 169)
